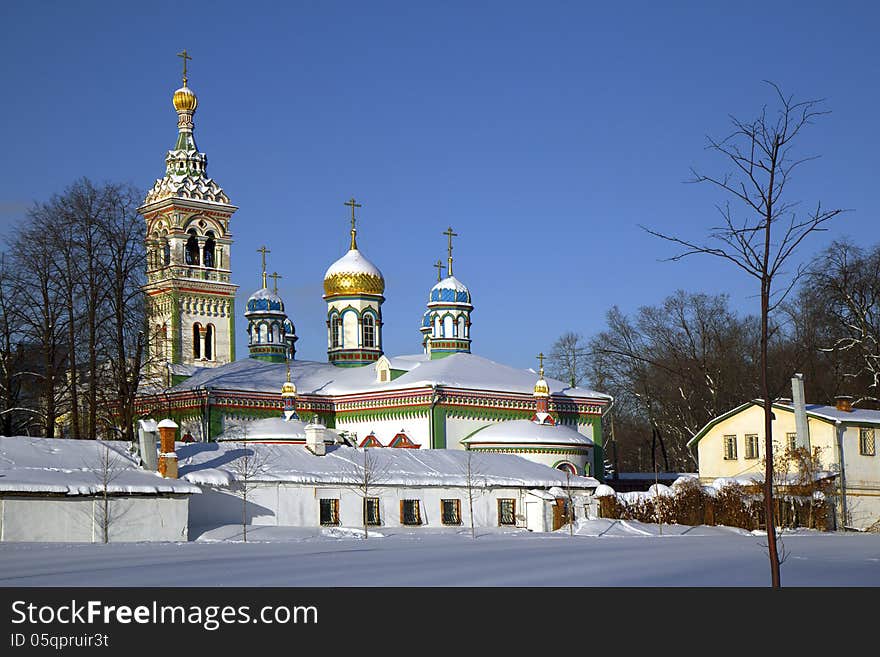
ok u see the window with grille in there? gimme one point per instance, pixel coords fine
(866, 441)
(751, 446)
(507, 512)
(451, 512)
(335, 331)
(329, 512)
(791, 441)
(369, 331)
(409, 512)
(371, 511)
(729, 448)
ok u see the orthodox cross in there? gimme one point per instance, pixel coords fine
(185, 57)
(450, 235)
(264, 251)
(353, 204)
(275, 276)
(440, 267)
(540, 358)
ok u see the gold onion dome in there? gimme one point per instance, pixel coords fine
(541, 388)
(288, 389)
(185, 99)
(353, 275)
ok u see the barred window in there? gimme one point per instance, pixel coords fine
(335, 330)
(371, 512)
(451, 512)
(751, 445)
(409, 512)
(329, 512)
(506, 512)
(866, 441)
(729, 448)
(791, 441)
(369, 331)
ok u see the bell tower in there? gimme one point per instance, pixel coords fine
(189, 297)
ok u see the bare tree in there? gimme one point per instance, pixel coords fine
(107, 467)
(845, 284)
(365, 474)
(760, 237)
(567, 360)
(250, 464)
(473, 478)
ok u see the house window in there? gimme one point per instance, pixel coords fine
(329, 512)
(791, 441)
(866, 441)
(751, 445)
(507, 512)
(409, 512)
(450, 512)
(335, 331)
(371, 512)
(729, 448)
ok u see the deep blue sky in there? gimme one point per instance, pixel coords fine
(543, 132)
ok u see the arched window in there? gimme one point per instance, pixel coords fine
(276, 334)
(565, 466)
(208, 251)
(462, 327)
(166, 251)
(438, 330)
(197, 340)
(209, 342)
(369, 331)
(264, 333)
(335, 330)
(192, 248)
(447, 326)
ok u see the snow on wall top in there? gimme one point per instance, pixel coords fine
(75, 467)
(526, 431)
(459, 370)
(215, 464)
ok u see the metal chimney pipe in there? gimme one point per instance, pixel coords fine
(800, 411)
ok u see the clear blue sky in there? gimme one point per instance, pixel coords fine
(543, 132)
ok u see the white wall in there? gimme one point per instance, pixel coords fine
(76, 519)
(297, 505)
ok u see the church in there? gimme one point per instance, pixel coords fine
(443, 397)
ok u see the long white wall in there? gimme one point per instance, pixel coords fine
(79, 519)
(297, 505)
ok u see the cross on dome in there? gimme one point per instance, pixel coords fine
(440, 267)
(275, 276)
(448, 232)
(183, 55)
(353, 204)
(264, 251)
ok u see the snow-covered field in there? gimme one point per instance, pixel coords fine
(603, 553)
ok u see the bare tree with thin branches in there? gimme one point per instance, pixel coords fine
(365, 474)
(761, 235)
(107, 466)
(252, 461)
(474, 476)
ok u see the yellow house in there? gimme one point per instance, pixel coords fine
(732, 445)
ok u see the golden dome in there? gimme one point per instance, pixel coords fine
(353, 275)
(541, 388)
(185, 99)
(288, 389)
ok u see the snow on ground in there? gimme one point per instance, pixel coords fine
(603, 553)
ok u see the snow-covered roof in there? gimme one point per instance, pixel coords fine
(75, 467)
(353, 262)
(460, 370)
(272, 428)
(528, 432)
(214, 464)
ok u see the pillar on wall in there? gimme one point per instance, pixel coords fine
(167, 455)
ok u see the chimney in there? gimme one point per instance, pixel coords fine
(798, 401)
(315, 437)
(148, 438)
(167, 455)
(843, 403)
